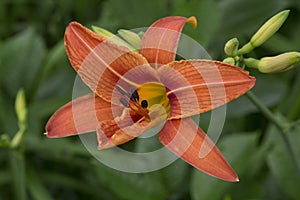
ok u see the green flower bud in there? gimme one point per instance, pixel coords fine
(110, 36)
(269, 28)
(231, 47)
(20, 107)
(21, 110)
(265, 32)
(280, 63)
(131, 37)
(103, 32)
(229, 60)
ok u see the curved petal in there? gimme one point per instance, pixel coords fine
(197, 86)
(80, 116)
(185, 139)
(123, 128)
(102, 64)
(159, 43)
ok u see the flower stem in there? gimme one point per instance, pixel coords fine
(266, 112)
(283, 128)
(17, 165)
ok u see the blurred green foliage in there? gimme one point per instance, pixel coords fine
(32, 57)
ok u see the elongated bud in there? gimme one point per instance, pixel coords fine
(269, 28)
(231, 47)
(20, 106)
(280, 63)
(265, 31)
(103, 32)
(110, 36)
(131, 37)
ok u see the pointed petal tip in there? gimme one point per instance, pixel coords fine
(233, 179)
(192, 21)
(225, 174)
(72, 25)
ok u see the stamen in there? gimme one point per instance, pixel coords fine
(144, 104)
(122, 91)
(140, 120)
(124, 102)
(134, 96)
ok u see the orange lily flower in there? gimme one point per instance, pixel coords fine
(135, 91)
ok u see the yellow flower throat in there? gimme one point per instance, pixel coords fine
(148, 101)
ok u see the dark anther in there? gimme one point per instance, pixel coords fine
(122, 91)
(124, 102)
(134, 96)
(144, 104)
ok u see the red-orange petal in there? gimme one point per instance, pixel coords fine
(198, 86)
(122, 129)
(184, 138)
(160, 41)
(102, 64)
(80, 116)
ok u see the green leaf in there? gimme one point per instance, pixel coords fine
(280, 162)
(21, 60)
(279, 43)
(63, 147)
(269, 89)
(243, 16)
(146, 186)
(36, 187)
(242, 153)
(208, 23)
(17, 167)
(132, 13)
(174, 174)
(66, 181)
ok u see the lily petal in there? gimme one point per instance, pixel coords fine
(185, 139)
(197, 86)
(160, 41)
(102, 64)
(123, 129)
(80, 116)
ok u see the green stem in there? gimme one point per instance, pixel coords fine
(283, 128)
(267, 113)
(17, 166)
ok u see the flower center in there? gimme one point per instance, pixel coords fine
(146, 102)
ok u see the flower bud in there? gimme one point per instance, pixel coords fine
(103, 32)
(265, 32)
(131, 37)
(280, 63)
(269, 28)
(110, 36)
(20, 106)
(229, 60)
(231, 47)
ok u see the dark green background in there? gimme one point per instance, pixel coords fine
(32, 57)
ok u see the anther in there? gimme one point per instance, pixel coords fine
(134, 96)
(122, 91)
(124, 102)
(144, 104)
